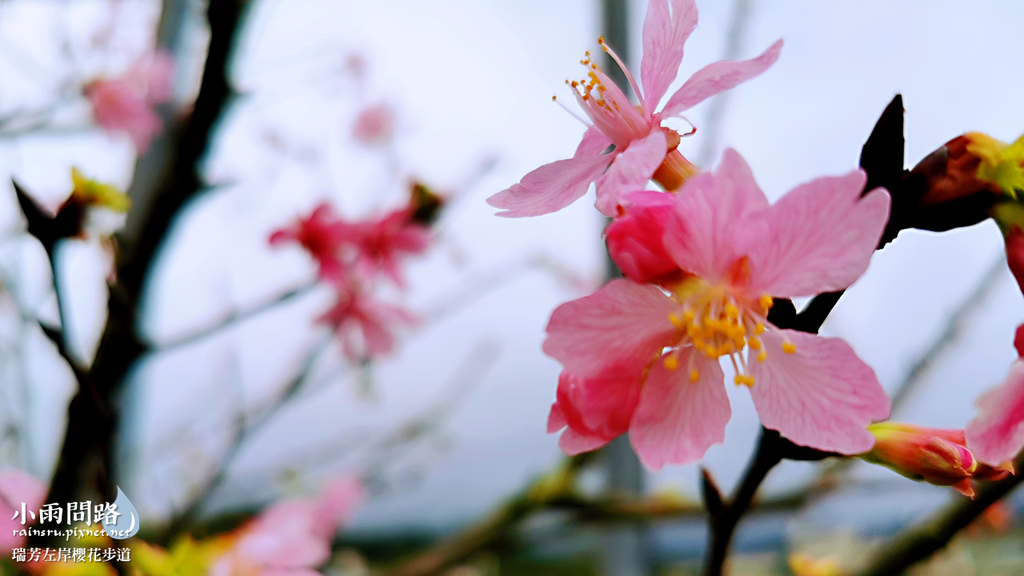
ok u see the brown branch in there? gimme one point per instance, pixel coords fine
(492, 529)
(930, 536)
(87, 453)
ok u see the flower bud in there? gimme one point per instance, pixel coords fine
(964, 179)
(635, 239)
(933, 455)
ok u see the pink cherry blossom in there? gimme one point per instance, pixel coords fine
(381, 243)
(125, 104)
(635, 238)
(644, 149)
(364, 325)
(293, 536)
(997, 433)
(375, 125)
(665, 342)
(17, 487)
(321, 234)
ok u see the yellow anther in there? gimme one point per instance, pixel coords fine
(737, 380)
(762, 356)
(675, 320)
(732, 311)
(754, 343)
(788, 347)
(710, 351)
(725, 349)
(759, 328)
(699, 343)
(687, 315)
(694, 375)
(671, 362)
(766, 302)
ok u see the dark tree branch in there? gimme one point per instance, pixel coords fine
(87, 453)
(932, 535)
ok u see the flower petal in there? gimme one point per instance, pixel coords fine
(636, 239)
(550, 188)
(718, 77)
(997, 433)
(663, 37)
(677, 420)
(572, 442)
(600, 405)
(592, 144)
(623, 324)
(821, 237)
(822, 395)
(630, 171)
(718, 218)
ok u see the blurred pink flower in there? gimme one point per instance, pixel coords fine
(365, 326)
(17, 487)
(644, 149)
(125, 104)
(997, 433)
(293, 536)
(375, 125)
(631, 344)
(321, 234)
(382, 242)
(634, 239)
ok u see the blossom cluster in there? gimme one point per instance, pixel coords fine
(705, 257)
(352, 255)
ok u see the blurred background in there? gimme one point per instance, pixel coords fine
(353, 103)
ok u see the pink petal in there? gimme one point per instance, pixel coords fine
(630, 171)
(338, 500)
(17, 487)
(719, 217)
(556, 419)
(623, 324)
(636, 239)
(614, 115)
(572, 442)
(718, 77)
(821, 237)
(592, 144)
(601, 405)
(663, 37)
(997, 433)
(550, 187)
(1018, 341)
(822, 395)
(677, 420)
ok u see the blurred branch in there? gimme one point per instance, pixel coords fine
(930, 536)
(87, 454)
(235, 317)
(538, 495)
(246, 430)
(955, 326)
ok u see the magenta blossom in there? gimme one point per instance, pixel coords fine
(364, 325)
(381, 243)
(647, 358)
(321, 234)
(997, 433)
(125, 104)
(644, 149)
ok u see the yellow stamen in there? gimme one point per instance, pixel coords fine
(732, 311)
(759, 328)
(762, 356)
(754, 343)
(767, 302)
(671, 362)
(788, 347)
(694, 375)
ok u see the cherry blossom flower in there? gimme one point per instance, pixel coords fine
(375, 125)
(381, 243)
(364, 325)
(125, 104)
(647, 358)
(644, 149)
(17, 487)
(321, 234)
(292, 536)
(997, 433)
